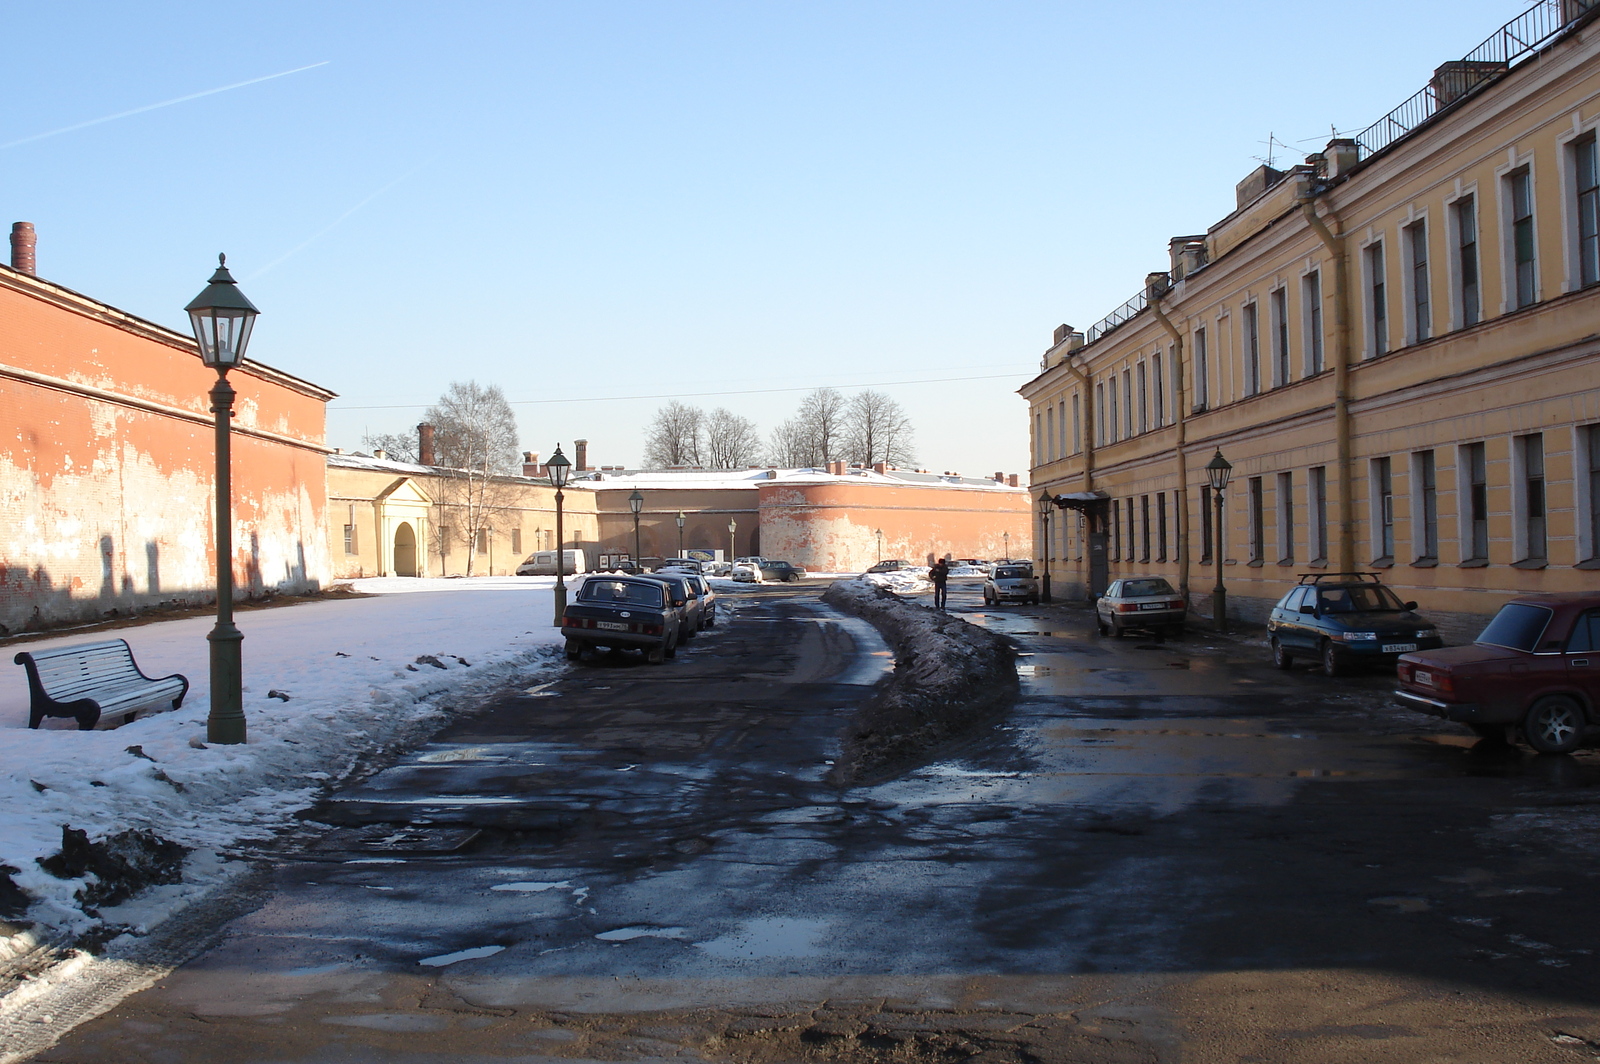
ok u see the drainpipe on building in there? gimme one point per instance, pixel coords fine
(1157, 290)
(1341, 374)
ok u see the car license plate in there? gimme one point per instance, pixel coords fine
(1424, 678)
(1398, 648)
(611, 626)
(1152, 605)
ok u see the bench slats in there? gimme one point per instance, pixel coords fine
(91, 680)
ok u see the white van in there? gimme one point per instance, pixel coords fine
(543, 563)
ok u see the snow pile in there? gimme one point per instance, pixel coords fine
(326, 684)
(912, 580)
(949, 677)
(966, 570)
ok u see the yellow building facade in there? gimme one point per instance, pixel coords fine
(1394, 345)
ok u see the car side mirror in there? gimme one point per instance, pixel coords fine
(677, 602)
(1307, 607)
(1411, 605)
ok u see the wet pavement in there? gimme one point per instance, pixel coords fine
(1168, 850)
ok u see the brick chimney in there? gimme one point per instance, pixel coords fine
(425, 444)
(580, 456)
(999, 478)
(23, 239)
(1012, 480)
(530, 464)
(880, 467)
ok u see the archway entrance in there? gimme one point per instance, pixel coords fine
(405, 550)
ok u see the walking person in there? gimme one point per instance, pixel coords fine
(940, 575)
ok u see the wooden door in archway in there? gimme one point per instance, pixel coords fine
(405, 550)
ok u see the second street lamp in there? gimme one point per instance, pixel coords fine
(733, 526)
(1046, 504)
(680, 533)
(560, 468)
(1218, 470)
(636, 503)
(222, 319)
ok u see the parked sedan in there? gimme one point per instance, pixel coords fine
(889, 565)
(1146, 602)
(708, 600)
(1535, 668)
(1343, 619)
(686, 597)
(622, 612)
(784, 571)
(1011, 583)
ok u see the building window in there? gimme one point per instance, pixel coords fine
(351, 545)
(482, 545)
(1116, 532)
(1424, 507)
(1519, 188)
(1077, 426)
(1050, 433)
(1467, 260)
(1100, 406)
(1202, 371)
(1591, 513)
(1280, 337)
(1161, 526)
(1115, 433)
(1377, 301)
(1285, 518)
(1207, 512)
(1160, 406)
(1317, 517)
(1252, 349)
(1144, 399)
(1038, 438)
(1127, 399)
(1258, 546)
(1472, 471)
(1586, 164)
(1381, 474)
(1421, 312)
(1061, 429)
(1144, 528)
(516, 541)
(1311, 300)
(1530, 459)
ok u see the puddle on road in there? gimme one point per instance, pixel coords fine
(768, 937)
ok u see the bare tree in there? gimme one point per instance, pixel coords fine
(822, 417)
(731, 441)
(675, 436)
(399, 446)
(877, 430)
(790, 445)
(475, 434)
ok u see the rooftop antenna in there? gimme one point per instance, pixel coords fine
(1272, 142)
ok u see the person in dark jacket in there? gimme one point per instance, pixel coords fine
(940, 575)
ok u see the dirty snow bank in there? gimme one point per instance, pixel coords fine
(89, 818)
(912, 580)
(949, 677)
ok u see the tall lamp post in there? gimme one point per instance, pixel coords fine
(879, 533)
(733, 526)
(222, 318)
(636, 503)
(1006, 536)
(1046, 504)
(560, 468)
(1218, 470)
(680, 533)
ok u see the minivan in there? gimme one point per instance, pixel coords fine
(543, 563)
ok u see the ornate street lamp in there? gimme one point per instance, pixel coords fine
(879, 533)
(680, 533)
(733, 526)
(636, 503)
(222, 318)
(1007, 537)
(1046, 504)
(560, 468)
(1218, 470)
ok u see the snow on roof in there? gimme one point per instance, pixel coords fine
(733, 479)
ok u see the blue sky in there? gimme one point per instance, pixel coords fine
(586, 200)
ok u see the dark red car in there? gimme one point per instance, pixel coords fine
(1536, 667)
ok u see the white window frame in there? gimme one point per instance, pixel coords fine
(1408, 279)
(1317, 514)
(1202, 370)
(1416, 485)
(1508, 251)
(1312, 314)
(1588, 543)
(1278, 323)
(1452, 258)
(1377, 517)
(1250, 352)
(1284, 492)
(1566, 144)
(1369, 318)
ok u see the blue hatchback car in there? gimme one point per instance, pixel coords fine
(1343, 619)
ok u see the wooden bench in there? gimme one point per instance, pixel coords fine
(91, 681)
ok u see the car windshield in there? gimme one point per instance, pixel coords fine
(620, 591)
(1153, 586)
(1011, 574)
(1359, 598)
(1517, 626)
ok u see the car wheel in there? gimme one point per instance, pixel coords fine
(656, 654)
(1281, 657)
(671, 648)
(574, 650)
(1116, 630)
(1334, 660)
(1554, 725)
(687, 632)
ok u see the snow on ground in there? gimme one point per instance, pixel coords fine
(354, 683)
(912, 580)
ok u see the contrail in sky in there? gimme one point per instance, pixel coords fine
(155, 106)
(320, 233)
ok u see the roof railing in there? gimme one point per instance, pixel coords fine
(1127, 312)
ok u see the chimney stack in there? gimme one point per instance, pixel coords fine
(1012, 480)
(530, 464)
(580, 454)
(23, 239)
(425, 444)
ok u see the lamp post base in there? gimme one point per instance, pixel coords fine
(225, 723)
(1219, 607)
(560, 596)
(1045, 587)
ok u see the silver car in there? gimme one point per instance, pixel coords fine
(1144, 602)
(1011, 583)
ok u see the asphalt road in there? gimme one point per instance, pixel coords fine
(1168, 851)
